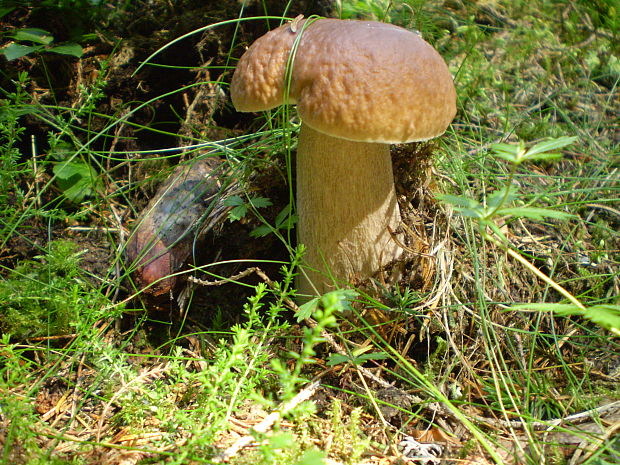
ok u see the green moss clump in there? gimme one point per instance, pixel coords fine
(45, 296)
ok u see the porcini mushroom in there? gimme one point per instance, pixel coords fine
(359, 86)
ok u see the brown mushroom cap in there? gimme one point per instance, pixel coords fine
(357, 80)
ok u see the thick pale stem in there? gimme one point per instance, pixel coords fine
(346, 204)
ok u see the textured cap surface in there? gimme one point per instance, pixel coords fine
(357, 80)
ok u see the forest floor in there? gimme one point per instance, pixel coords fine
(110, 111)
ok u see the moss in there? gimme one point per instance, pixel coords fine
(42, 297)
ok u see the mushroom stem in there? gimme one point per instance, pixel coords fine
(345, 201)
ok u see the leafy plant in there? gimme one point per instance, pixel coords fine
(242, 206)
(284, 220)
(340, 299)
(76, 179)
(325, 317)
(500, 204)
(413, 14)
(11, 133)
(74, 175)
(604, 315)
(34, 40)
(348, 440)
(358, 356)
(16, 371)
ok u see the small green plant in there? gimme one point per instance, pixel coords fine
(411, 14)
(501, 204)
(366, 9)
(404, 300)
(324, 310)
(282, 447)
(241, 207)
(16, 371)
(77, 179)
(47, 295)
(284, 221)
(33, 40)
(11, 133)
(358, 356)
(348, 440)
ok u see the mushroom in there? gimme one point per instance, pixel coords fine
(359, 86)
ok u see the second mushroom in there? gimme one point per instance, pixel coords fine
(359, 86)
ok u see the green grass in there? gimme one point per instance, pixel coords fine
(91, 372)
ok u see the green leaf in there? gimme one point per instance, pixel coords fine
(464, 206)
(261, 231)
(88, 37)
(62, 150)
(605, 315)
(508, 152)
(535, 213)
(238, 212)
(233, 201)
(516, 153)
(560, 309)
(260, 202)
(373, 356)
(471, 213)
(542, 156)
(287, 222)
(15, 51)
(76, 179)
(240, 208)
(285, 219)
(340, 300)
(337, 359)
(548, 145)
(70, 49)
(38, 36)
(495, 198)
(69, 169)
(307, 310)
